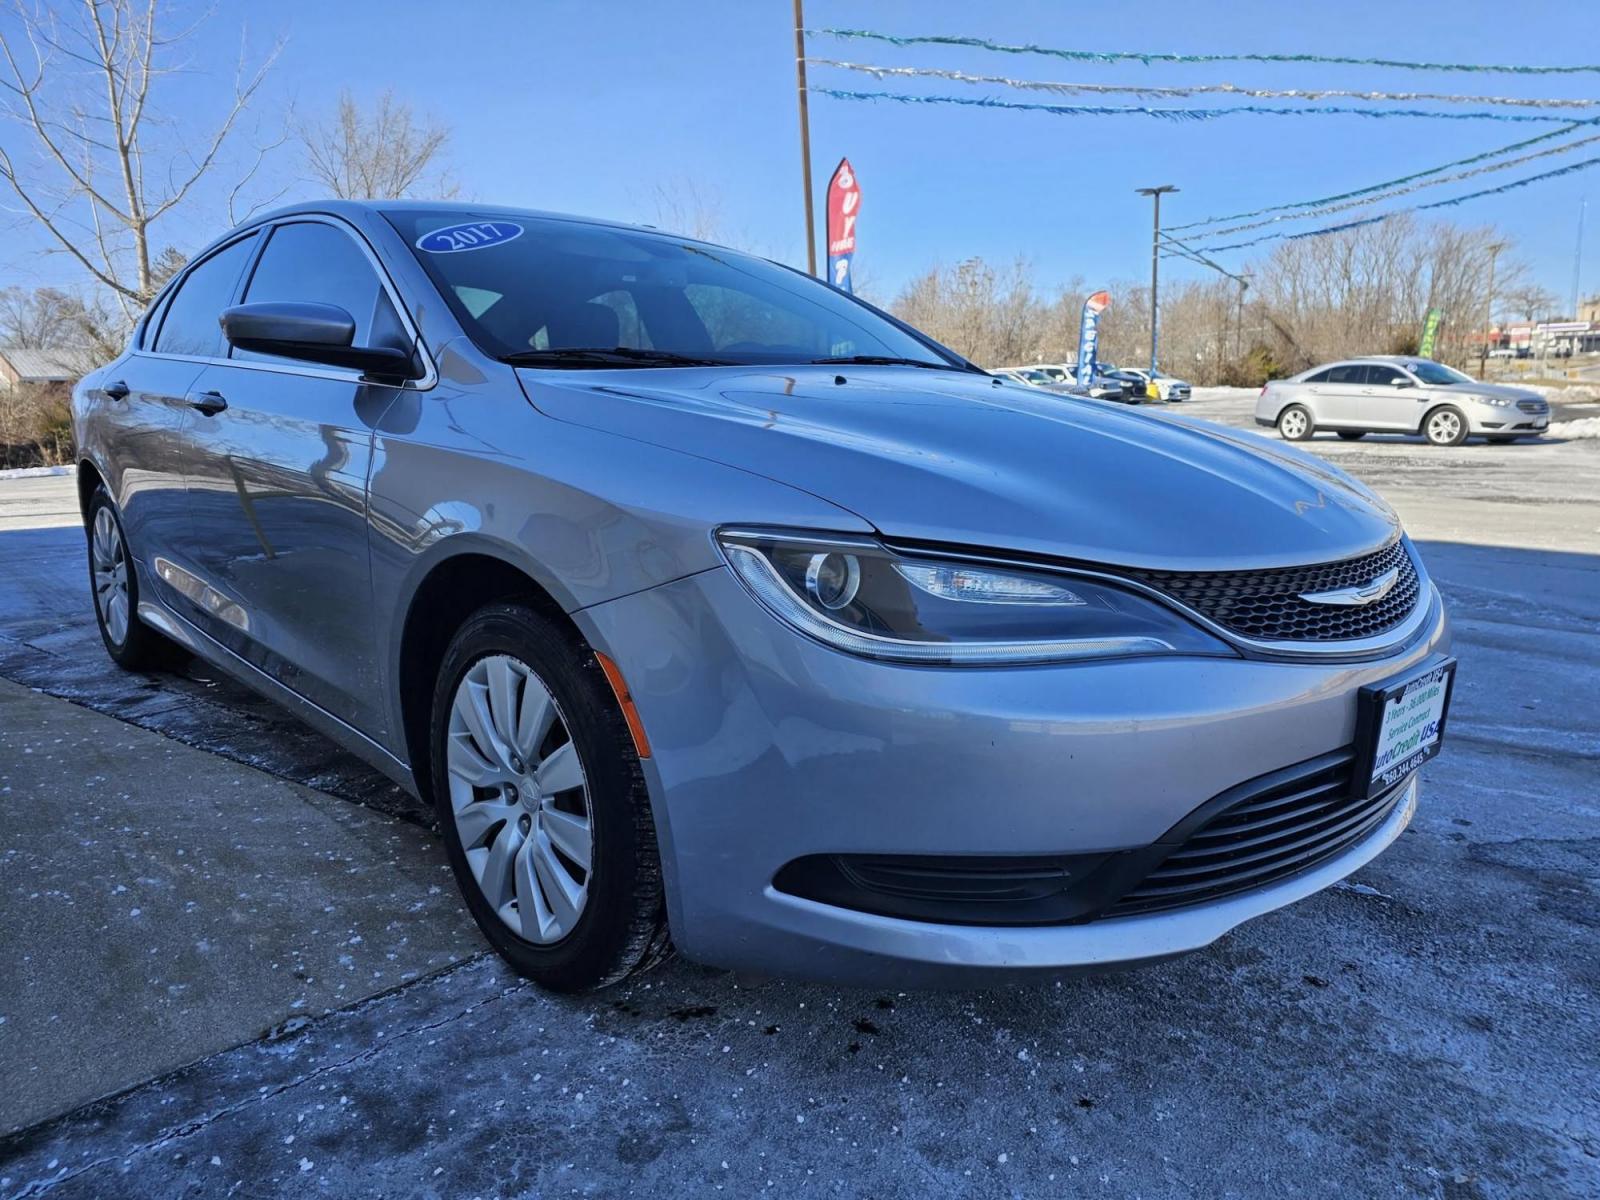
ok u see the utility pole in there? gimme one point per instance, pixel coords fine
(1155, 193)
(1238, 320)
(1577, 259)
(1488, 316)
(805, 133)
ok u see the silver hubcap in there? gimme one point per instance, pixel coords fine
(110, 564)
(520, 798)
(1294, 424)
(1444, 427)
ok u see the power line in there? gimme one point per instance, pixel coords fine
(1330, 209)
(1388, 183)
(1149, 57)
(1223, 89)
(1182, 114)
(1570, 169)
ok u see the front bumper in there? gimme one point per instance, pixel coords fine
(1490, 420)
(768, 747)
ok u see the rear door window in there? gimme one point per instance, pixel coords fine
(1348, 373)
(191, 326)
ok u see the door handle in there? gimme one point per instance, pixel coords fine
(116, 391)
(209, 403)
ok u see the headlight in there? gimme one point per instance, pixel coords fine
(860, 597)
(1497, 401)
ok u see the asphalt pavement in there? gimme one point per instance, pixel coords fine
(238, 967)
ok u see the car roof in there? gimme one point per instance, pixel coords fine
(352, 208)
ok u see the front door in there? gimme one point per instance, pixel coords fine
(280, 453)
(1386, 406)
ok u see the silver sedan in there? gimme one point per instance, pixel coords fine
(711, 607)
(1397, 394)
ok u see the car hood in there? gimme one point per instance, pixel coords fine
(967, 460)
(1500, 390)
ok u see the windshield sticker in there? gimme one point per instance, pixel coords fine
(473, 235)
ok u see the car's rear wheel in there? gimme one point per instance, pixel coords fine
(1445, 426)
(1295, 423)
(542, 804)
(114, 583)
(1352, 435)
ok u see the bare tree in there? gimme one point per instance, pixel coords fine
(84, 332)
(381, 153)
(32, 319)
(992, 316)
(102, 164)
(1529, 302)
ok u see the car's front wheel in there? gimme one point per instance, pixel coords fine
(542, 804)
(1445, 426)
(114, 582)
(1295, 423)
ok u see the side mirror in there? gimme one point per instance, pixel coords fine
(319, 333)
(1401, 382)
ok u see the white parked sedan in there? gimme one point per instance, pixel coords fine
(1398, 394)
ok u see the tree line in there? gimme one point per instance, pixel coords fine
(1361, 291)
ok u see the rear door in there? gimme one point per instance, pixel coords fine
(280, 454)
(145, 406)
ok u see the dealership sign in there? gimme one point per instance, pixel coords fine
(844, 204)
(1089, 335)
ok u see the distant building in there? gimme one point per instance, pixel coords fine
(23, 365)
(1589, 310)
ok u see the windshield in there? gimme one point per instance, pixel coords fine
(1436, 373)
(540, 290)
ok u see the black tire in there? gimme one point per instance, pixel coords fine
(1295, 424)
(140, 648)
(1445, 426)
(622, 927)
(1352, 435)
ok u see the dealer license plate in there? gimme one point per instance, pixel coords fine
(1401, 725)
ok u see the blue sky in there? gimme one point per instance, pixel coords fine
(588, 107)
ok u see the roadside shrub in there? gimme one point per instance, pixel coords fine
(35, 426)
(1254, 369)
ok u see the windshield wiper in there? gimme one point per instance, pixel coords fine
(886, 360)
(615, 356)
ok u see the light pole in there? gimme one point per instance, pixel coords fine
(1155, 193)
(805, 133)
(1488, 316)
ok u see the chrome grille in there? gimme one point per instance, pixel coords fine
(1533, 406)
(1296, 820)
(1266, 605)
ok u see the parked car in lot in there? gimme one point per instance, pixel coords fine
(1399, 394)
(701, 599)
(1167, 387)
(1056, 379)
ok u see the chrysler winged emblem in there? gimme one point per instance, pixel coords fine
(1365, 593)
